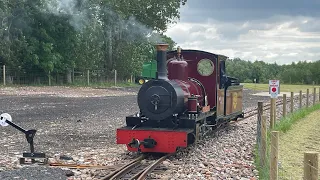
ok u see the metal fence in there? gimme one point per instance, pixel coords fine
(11, 76)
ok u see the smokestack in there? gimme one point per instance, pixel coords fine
(161, 61)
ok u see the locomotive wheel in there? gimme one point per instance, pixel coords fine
(141, 81)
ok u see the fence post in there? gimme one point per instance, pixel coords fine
(300, 99)
(260, 113)
(310, 166)
(284, 110)
(274, 155)
(115, 77)
(263, 152)
(49, 78)
(4, 74)
(72, 75)
(319, 94)
(88, 77)
(307, 105)
(291, 102)
(272, 112)
(314, 96)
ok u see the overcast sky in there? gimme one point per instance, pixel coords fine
(280, 31)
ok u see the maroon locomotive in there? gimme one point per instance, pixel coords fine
(190, 96)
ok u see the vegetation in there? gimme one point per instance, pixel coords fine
(42, 37)
(295, 73)
(296, 120)
(283, 87)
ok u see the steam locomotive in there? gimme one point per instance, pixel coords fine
(190, 96)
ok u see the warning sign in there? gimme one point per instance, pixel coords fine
(274, 88)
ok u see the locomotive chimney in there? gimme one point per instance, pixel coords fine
(161, 61)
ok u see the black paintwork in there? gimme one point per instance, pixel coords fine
(160, 99)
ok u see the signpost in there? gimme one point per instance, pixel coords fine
(274, 88)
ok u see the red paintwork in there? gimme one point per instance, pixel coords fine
(167, 141)
(209, 82)
(192, 105)
(178, 70)
(190, 88)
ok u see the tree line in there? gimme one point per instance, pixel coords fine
(57, 36)
(301, 72)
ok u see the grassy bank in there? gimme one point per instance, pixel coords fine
(293, 129)
(283, 87)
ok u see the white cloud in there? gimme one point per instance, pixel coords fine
(280, 39)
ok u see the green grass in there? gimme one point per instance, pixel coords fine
(283, 87)
(284, 125)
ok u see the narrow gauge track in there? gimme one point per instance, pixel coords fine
(264, 108)
(135, 169)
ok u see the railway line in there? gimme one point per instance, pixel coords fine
(142, 166)
(136, 169)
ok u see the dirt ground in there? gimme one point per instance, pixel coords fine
(304, 136)
(65, 118)
(77, 122)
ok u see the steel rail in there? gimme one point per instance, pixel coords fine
(150, 168)
(122, 170)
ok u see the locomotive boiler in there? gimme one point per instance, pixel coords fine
(163, 100)
(190, 95)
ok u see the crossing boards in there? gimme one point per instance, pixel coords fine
(274, 88)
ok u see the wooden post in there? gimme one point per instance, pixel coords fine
(4, 74)
(284, 110)
(310, 166)
(319, 94)
(49, 75)
(263, 151)
(307, 98)
(72, 75)
(291, 102)
(314, 96)
(115, 77)
(88, 77)
(274, 155)
(260, 112)
(272, 112)
(300, 99)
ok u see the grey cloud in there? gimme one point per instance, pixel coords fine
(272, 31)
(235, 10)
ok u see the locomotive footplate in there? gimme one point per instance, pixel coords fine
(153, 140)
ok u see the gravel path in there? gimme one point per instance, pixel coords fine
(80, 123)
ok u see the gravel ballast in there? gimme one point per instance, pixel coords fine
(79, 125)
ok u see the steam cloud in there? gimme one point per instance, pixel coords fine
(78, 11)
(72, 8)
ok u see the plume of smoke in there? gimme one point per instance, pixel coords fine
(79, 12)
(72, 8)
(136, 29)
